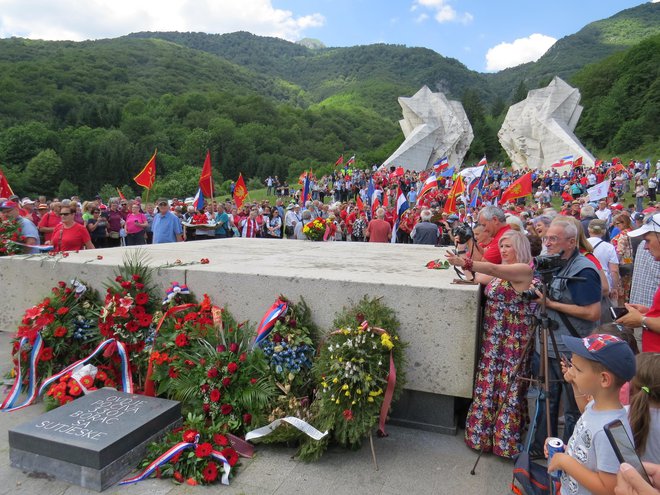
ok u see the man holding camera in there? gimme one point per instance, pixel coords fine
(573, 308)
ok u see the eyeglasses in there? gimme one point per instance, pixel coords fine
(62, 214)
(551, 239)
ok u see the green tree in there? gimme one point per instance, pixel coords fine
(43, 172)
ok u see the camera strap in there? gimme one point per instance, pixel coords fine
(569, 325)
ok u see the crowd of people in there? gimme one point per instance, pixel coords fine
(602, 254)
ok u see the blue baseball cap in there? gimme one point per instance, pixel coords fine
(610, 351)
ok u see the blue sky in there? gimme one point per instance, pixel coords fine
(484, 35)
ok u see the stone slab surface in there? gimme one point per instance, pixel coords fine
(438, 319)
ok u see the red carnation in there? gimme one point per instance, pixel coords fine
(212, 372)
(60, 332)
(226, 409)
(231, 455)
(62, 311)
(61, 284)
(215, 396)
(253, 381)
(141, 298)
(233, 347)
(226, 381)
(136, 277)
(210, 472)
(178, 476)
(125, 285)
(232, 367)
(203, 450)
(139, 286)
(348, 414)
(181, 340)
(242, 358)
(220, 440)
(221, 348)
(47, 354)
(189, 436)
(247, 418)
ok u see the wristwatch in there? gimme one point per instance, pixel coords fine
(644, 325)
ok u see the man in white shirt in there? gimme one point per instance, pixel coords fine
(603, 212)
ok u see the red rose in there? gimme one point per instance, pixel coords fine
(118, 278)
(189, 436)
(253, 381)
(62, 311)
(206, 408)
(231, 455)
(178, 476)
(247, 418)
(136, 277)
(139, 286)
(99, 257)
(226, 381)
(221, 348)
(215, 395)
(232, 367)
(125, 285)
(62, 284)
(203, 450)
(233, 347)
(220, 440)
(210, 472)
(60, 332)
(226, 409)
(204, 388)
(47, 354)
(181, 340)
(242, 357)
(141, 298)
(212, 372)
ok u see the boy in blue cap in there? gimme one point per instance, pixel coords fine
(600, 365)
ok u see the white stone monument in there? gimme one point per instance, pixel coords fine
(434, 127)
(538, 131)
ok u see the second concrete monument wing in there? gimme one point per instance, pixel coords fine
(538, 131)
(434, 127)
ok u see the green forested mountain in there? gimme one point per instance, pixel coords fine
(80, 116)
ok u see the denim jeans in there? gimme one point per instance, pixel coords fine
(556, 389)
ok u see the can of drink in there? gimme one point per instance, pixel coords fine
(554, 445)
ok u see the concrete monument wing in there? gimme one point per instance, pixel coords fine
(434, 127)
(538, 131)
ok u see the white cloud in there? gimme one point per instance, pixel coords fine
(442, 11)
(76, 20)
(422, 18)
(520, 51)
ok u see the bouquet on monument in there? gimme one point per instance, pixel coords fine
(315, 230)
(79, 382)
(290, 348)
(359, 372)
(10, 234)
(128, 311)
(61, 329)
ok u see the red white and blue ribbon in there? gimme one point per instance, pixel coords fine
(268, 321)
(166, 456)
(126, 378)
(41, 247)
(15, 392)
(175, 289)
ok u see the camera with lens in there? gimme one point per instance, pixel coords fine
(462, 233)
(549, 263)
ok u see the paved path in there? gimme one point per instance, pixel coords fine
(410, 462)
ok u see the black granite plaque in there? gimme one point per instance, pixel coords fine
(95, 432)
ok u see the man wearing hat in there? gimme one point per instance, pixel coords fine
(292, 218)
(9, 210)
(29, 210)
(643, 316)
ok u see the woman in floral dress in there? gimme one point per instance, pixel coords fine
(621, 242)
(507, 327)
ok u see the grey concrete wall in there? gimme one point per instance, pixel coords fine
(438, 319)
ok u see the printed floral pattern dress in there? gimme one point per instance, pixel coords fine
(507, 327)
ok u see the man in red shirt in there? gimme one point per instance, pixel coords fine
(378, 229)
(639, 315)
(493, 221)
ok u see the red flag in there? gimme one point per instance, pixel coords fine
(121, 194)
(386, 198)
(398, 172)
(147, 176)
(5, 189)
(359, 203)
(375, 206)
(598, 163)
(340, 160)
(206, 179)
(240, 191)
(456, 190)
(577, 162)
(520, 188)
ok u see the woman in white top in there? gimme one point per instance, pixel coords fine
(606, 255)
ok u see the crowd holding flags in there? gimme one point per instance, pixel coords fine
(520, 188)
(401, 207)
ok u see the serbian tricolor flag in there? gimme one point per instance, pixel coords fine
(456, 190)
(198, 202)
(351, 160)
(430, 184)
(147, 176)
(339, 161)
(482, 162)
(441, 165)
(240, 191)
(5, 189)
(206, 178)
(305, 190)
(268, 321)
(520, 188)
(401, 207)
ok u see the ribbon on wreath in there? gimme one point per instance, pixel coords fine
(268, 321)
(34, 392)
(298, 423)
(15, 392)
(175, 289)
(149, 384)
(174, 450)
